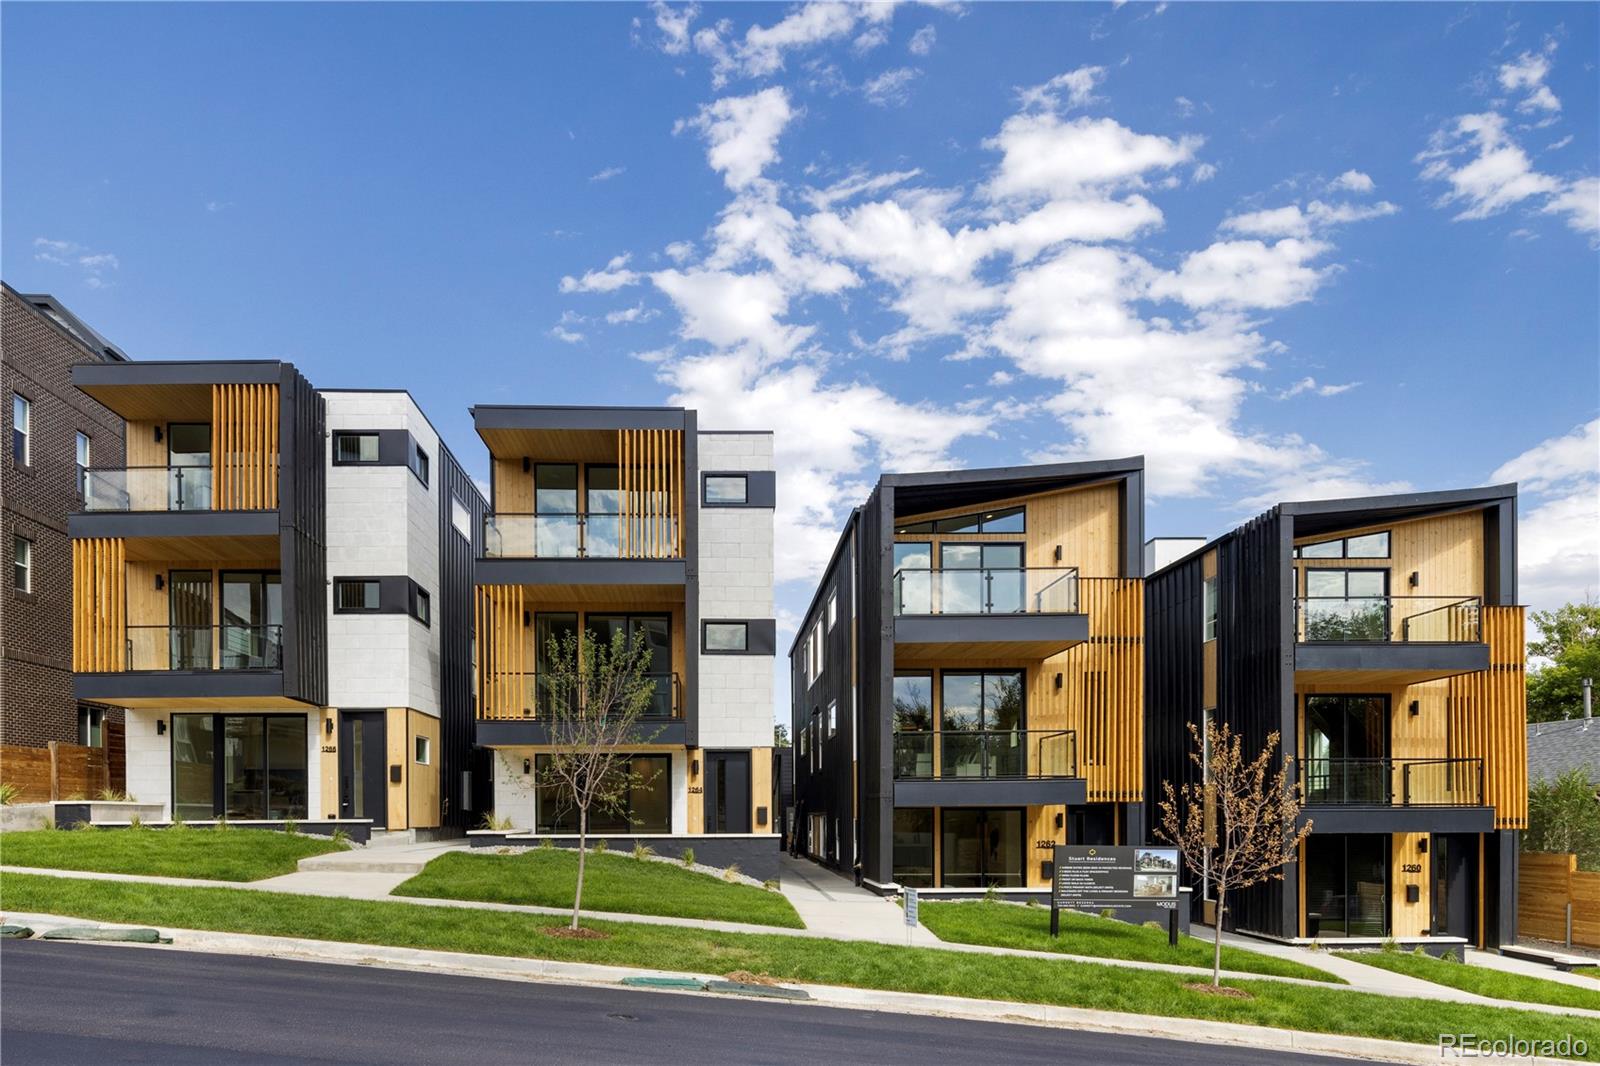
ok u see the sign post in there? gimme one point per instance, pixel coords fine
(911, 913)
(1100, 877)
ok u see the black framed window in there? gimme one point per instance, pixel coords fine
(646, 804)
(1210, 608)
(913, 577)
(1001, 520)
(602, 503)
(1347, 885)
(1366, 546)
(244, 766)
(421, 606)
(355, 595)
(21, 430)
(727, 636)
(1346, 750)
(1346, 604)
(423, 754)
(83, 450)
(251, 636)
(188, 466)
(913, 846)
(355, 448)
(981, 719)
(91, 725)
(982, 847)
(727, 489)
(418, 462)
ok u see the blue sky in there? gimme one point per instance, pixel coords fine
(1282, 250)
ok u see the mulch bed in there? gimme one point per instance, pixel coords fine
(745, 977)
(1219, 990)
(564, 933)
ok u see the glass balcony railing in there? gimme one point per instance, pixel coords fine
(590, 535)
(538, 694)
(987, 590)
(1393, 782)
(225, 647)
(985, 754)
(1398, 619)
(147, 488)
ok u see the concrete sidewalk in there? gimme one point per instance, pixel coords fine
(837, 909)
(539, 970)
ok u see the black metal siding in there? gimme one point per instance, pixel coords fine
(458, 810)
(875, 552)
(302, 547)
(1174, 680)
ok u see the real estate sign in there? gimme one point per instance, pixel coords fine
(1100, 877)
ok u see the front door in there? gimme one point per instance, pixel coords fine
(362, 791)
(1455, 904)
(727, 777)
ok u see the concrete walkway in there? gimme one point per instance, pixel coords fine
(835, 908)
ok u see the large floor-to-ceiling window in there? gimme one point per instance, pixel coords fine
(243, 766)
(1346, 750)
(913, 846)
(645, 800)
(980, 847)
(1347, 885)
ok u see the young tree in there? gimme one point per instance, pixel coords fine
(1569, 638)
(592, 697)
(1236, 826)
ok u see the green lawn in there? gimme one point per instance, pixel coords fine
(546, 877)
(211, 854)
(863, 965)
(1008, 925)
(1482, 980)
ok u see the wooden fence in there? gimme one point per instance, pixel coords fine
(1546, 884)
(58, 772)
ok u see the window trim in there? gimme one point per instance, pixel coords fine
(20, 568)
(418, 462)
(705, 489)
(420, 606)
(377, 439)
(744, 642)
(25, 460)
(377, 597)
(422, 749)
(1210, 608)
(833, 609)
(83, 443)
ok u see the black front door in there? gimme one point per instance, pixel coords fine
(1455, 904)
(727, 777)
(362, 790)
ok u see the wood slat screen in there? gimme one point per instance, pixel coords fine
(1111, 666)
(244, 447)
(79, 772)
(504, 672)
(1546, 883)
(1489, 718)
(99, 605)
(650, 476)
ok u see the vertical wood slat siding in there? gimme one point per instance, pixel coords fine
(245, 447)
(1488, 712)
(650, 480)
(99, 604)
(1110, 666)
(502, 655)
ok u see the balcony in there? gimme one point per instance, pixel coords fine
(661, 722)
(583, 548)
(987, 611)
(177, 663)
(998, 766)
(1387, 640)
(1396, 795)
(176, 501)
(562, 536)
(147, 488)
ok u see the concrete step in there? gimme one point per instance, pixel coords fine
(399, 858)
(1557, 959)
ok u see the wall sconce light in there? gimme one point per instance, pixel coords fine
(1061, 820)
(1058, 682)
(1414, 579)
(694, 767)
(527, 464)
(527, 619)
(328, 727)
(527, 766)
(158, 434)
(161, 582)
(1058, 553)
(161, 727)
(1415, 707)
(1422, 845)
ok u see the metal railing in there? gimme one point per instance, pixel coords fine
(987, 590)
(1393, 782)
(985, 754)
(224, 647)
(589, 535)
(538, 693)
(1384, 619)
(147, 488)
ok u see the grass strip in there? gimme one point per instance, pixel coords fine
(1482, 980)
(1008, 925)
(208, 854)
(861, 965)
(546, 877)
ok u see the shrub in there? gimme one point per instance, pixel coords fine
(600, 846)
(545, 843)
(339, 836)
(135, 822)
(1108, 913)
(496, 823)
(178, 821)
(771, 885)
(222, 825)
(84, 827)
(991, 894)
(291, 826)
(8, 793)
(688, 856)
(642, 851)
(1450, 956)
(731, 874)
(113, 795)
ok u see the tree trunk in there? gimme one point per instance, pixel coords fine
(1216, 944)
(583, 851)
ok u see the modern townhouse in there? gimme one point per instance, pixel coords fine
(1381, 639)
(632, 520)
(54, 433)
(967, 681)
(272, 606)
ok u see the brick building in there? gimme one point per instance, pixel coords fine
(52, 431)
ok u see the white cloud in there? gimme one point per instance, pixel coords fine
(1046, 156)
(678, 251)
(733, 311)
(1558, 551)
(1291, 221)
(673, 25)
(615, 276)
(1185, 106)
(1352, 181)
(95, 265)
(922, 41)
(892, 88)
(1580, 203)
(760, 52)
(743, 133)
(1203, 172)
(607, 174)
(1245, 274)
(636, 313)
(1527, 73)
(1310, 384)
(1078, 84)
(876, 37)
(857, 183)
(568, 336)
(1001, 377)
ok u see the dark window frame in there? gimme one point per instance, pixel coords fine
(744, 643)
(24, 461)
(1344, 546)
(547, 822)
(418, 462)
(421, 605)
(18, 569)
(744, 496)
(377, 453)
(219, 758)
(377, 595)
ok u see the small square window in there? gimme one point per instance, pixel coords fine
(22, 563)
(355, 448)
(422, 609)
(726, 489)
(424, 751)
(355, 596)
(727, 636)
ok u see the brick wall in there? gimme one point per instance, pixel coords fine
(36, 356)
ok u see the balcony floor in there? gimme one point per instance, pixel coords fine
(931, 638)
(989, 791)
(1385, 664)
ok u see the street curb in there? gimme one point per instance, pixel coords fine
(571, 973)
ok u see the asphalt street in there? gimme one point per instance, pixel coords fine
(93, 1005)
